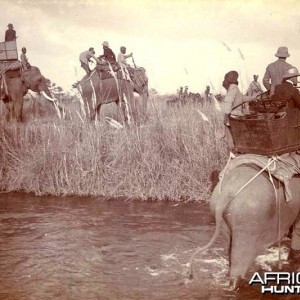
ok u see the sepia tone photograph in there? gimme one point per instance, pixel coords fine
(149, 149)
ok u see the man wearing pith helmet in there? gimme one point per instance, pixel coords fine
(275, 70)
(108, 54)
(287, 91)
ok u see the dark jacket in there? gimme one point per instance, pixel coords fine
(10, 35)
(286, 91)
(108, 55)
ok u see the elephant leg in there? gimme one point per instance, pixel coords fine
(144, 104)
(87, 110)
(97, 112)
(120, 113)
(244, 248)
(15, 91)
(18, 107)
(9, 111)
(295, 245)
(122, 110)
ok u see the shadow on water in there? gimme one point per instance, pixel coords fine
(88, 248)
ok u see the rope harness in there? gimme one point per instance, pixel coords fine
(269, 167)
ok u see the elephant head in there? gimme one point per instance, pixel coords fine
(35, 81)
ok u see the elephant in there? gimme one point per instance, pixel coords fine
(15, 85)
(99, 88)
(96, 91)
(250, 218)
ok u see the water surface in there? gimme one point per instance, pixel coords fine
(91, 248)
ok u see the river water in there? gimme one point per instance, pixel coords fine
(91, 248)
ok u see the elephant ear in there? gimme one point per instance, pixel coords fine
(25, 76)
(29, 75)
(35, 71)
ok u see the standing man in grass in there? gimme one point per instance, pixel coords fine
(275, 70)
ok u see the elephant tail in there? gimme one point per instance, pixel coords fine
(220, 209)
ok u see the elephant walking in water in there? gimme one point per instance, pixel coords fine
(251, 219)
(100, 88)
(14, 86)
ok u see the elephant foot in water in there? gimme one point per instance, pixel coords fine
(237, 283)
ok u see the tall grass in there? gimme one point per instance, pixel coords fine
(171, 156)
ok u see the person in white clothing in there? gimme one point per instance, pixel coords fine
(122, 57)
(254, 87)
(233, 102)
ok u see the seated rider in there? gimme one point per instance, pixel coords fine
(234, 99)
(233, 103)
(24, 60)
(126, 69)
(287, 90)
(108, 54)
(122, 57)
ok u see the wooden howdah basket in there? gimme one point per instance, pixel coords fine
(269, 130)
(8, 51)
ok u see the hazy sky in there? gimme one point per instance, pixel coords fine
(178, 42)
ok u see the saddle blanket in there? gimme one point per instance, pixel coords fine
(282, 167)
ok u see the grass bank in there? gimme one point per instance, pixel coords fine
(171, 157)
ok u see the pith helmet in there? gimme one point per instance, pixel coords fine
(293, 72)
(282, 52)
(105, 43)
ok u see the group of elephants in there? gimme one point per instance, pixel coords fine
(251, 219)
(94, 91)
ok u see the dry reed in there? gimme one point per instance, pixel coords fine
(171, 156)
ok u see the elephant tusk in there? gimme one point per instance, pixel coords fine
(47, 97)
(54, 102)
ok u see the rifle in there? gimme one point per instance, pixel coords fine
(133, 61)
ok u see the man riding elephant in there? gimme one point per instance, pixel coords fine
(24, 60)
(108, 54)
(288, 92)
(126, 69)
(85, 58)
(275, 70)
(10, 33)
